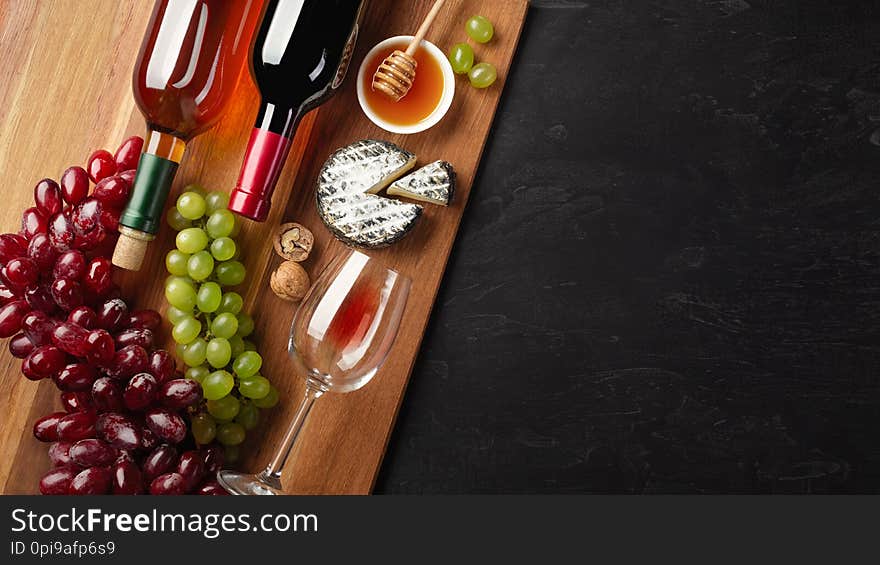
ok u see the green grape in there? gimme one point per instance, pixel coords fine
(237, 345)
(220, 224)
(186, 331)
(176, 221)
(225, 408)
(175, 315)
(223, 248)
(248, 416)
(179, 348)
(216, 201)
(230, 434)
(479, 29)
(209, 297)
(255, 387)
(175, 263)
(197, 374)
(245, 325)
(230, 273)
(236, 228)
(231, 302)
(192, 240)
(462, 58)
(249, 345)
(247, 364)
(483, 75)
(217, 385)
(219, 352)
(197, 188)
(191, 205)
(180, 294)
(195, 353)
(231, 453)
(224, 325)
(269, 400)
(203, 428)
(200, 265)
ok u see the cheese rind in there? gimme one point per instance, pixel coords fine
(434, 184)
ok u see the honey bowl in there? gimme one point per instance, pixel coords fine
(427, 101)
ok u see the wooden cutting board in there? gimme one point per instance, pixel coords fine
(67, 90)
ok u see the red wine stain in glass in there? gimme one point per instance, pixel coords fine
(354, 317)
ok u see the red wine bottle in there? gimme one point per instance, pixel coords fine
(299, 58)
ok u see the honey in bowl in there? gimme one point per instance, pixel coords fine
(421, 100)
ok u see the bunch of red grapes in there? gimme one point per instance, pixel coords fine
(124, 400)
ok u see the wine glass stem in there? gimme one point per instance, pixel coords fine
(272, 473)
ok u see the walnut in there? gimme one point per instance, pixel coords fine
(290, 281)
(293, 242)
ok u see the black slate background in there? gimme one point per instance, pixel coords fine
(668, 277)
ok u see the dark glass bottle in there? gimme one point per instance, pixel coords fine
(299, 58)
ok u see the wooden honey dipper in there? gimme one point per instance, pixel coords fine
(396, 74)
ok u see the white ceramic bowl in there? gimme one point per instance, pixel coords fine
(445, 99)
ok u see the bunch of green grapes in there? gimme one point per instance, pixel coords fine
(210, 329)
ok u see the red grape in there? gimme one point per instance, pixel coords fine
(76, 426)
(211, 488)
(94, 480)
(47, 197)
(59, 453)
(177, 394)
(135, 336)
(129, 361)
(40, 298)
(112, 192)
(33, 221)
(57, 481)
(60, 232)
(129, 175)
(110, 220)
(159, 461)
(70, 265)
(127, 478)
(161, 365)
(21, 273)
(106, 395)
(84, 317)
(41, 252)
(100, 348)
(139, 394)
(87, 215)
(47, 361)
(6, 295)
(68, 294)
(129, 153)
(38, 327)
(76, 376)
(74, 185)
(70, 338)
(192, 468)
(166, 424)
(99, 276)
(12, 246)
(213, 457)
(118, 430)
(46, 428)
(20, 346)
(10, 317)
(76, 401)
(92, 452)
(146, 319)
(112, 315)
(100, 165)
(28, 371)
(149, 440)
(168, 484)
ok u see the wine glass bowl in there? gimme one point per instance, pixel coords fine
(339, 338)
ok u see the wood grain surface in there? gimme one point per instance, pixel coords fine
(67, 67)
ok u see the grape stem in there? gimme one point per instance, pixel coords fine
(271, 475)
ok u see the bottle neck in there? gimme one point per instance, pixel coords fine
(164, 145)
(280, 120)
(156, 169)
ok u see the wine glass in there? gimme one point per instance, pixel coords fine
(339, 337)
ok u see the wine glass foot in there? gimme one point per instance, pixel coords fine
(245, 484)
